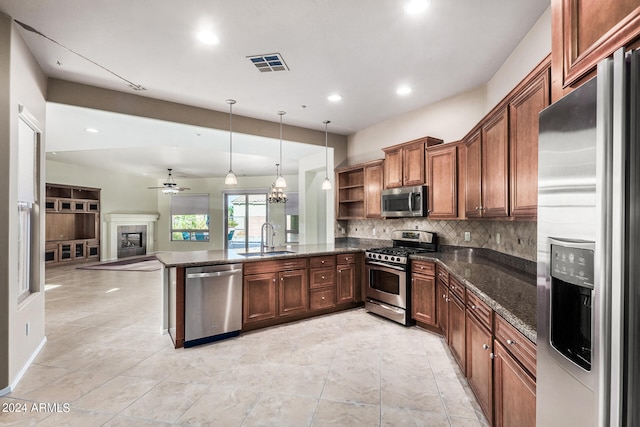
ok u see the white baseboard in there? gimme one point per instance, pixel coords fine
(24, 369)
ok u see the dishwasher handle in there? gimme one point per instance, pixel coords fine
(213, 274)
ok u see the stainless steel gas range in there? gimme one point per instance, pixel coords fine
(387, 289)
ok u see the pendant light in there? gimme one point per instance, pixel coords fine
(326, 184)
(280, 181)
(230, 179)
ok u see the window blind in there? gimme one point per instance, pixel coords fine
(192, 204)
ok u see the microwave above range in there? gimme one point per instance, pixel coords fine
(404, 202)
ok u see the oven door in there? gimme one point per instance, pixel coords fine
(386, 283)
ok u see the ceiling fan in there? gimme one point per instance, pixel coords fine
(169, 187)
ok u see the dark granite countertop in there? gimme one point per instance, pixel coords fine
(510, 292)
(198, 258)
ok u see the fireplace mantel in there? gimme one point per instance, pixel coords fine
(115, 219)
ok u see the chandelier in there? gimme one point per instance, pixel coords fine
(276, 193)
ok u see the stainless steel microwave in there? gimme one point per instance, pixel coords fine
(404, 201)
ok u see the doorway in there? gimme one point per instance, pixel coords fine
(246, 212)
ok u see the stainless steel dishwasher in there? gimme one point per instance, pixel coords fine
(213, 303)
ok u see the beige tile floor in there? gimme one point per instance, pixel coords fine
(106, 358)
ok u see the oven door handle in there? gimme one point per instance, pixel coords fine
(380, 264)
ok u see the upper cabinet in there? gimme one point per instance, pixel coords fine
(523, 140)
(501, 163)
(584, 32)
(495, 166)
(404, 163)
(358, 193)
(442, 181)
(487, 168)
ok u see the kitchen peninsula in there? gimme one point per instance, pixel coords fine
(507, 290)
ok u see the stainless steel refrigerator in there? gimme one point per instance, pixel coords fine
(588, 277)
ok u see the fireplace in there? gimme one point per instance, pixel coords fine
(131, 240)
(117, 223)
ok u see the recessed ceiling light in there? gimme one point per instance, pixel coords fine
(207, 37)
(403, 90)
(413, 7)
(334, 97)
(92, 130)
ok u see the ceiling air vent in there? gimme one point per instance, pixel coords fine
(269, 62)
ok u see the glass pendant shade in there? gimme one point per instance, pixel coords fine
(326, 184)
(281, 182)
(230, 179)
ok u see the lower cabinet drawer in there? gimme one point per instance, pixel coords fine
(322, 298)
(515, 342)
(322, 277)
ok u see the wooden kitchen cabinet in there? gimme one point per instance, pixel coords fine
(442, 300)
(393, 167)
(423, 292)
(523, 145)
(345, 278)
(487, 169)
(373, 184)
(585, 32)
(442, 180)
(456, 329)
(259, 297)
(292, 292)
(273, 289)
(514, 391)
(322, 282)
(495, 166)
(473, 175)
(404, 163)
(479, 355)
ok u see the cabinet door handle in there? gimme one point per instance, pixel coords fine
(274, 280)
(510, 342)
(473, 307)
(493, 356)
(322, 298)
(282, 279)
(323, 277)
(485, 346)
(322, 262)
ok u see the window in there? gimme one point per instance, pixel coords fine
(190, 218)
(28, 166)
(246, 212)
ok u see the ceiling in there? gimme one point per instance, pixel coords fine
(361, 49)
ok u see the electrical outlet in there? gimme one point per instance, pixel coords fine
(467, 236)
(498, 238)
(374, 231)
(27, 328)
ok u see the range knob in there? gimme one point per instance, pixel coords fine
(386, 257)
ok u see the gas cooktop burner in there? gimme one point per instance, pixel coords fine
(405, 243)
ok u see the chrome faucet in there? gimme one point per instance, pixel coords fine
(264, 237)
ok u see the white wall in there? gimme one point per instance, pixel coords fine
(533, 48)
(317, 211)
(22, 82)
(215, 187)
(452, 118)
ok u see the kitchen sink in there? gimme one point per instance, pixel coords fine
(263, 254)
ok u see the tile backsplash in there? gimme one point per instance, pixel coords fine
(517, 238)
